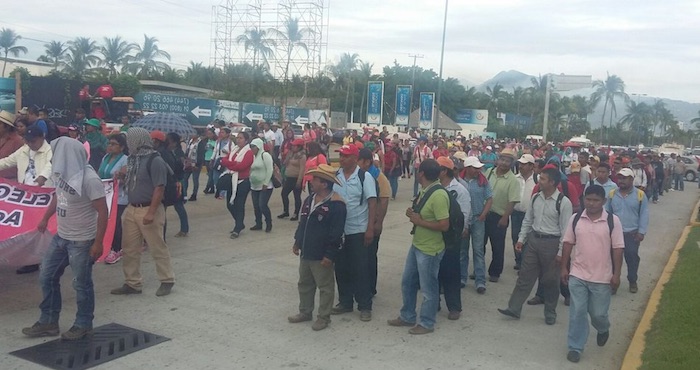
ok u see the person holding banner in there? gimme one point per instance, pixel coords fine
(10, 141)
(112, 163)
(81, 209)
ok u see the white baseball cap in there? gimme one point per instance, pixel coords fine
(626, 172)
(473, 162)
(488, 147)
(527, 158)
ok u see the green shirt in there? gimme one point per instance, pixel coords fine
(506, 189)
(436, 208)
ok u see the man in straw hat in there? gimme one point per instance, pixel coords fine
(317, 241)
(10, 141)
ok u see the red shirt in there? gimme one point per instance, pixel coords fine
(242, 167)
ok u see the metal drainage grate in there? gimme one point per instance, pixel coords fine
(106, 343)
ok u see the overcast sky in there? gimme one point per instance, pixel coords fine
(652, 45)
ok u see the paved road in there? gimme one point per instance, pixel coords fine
(229, 306)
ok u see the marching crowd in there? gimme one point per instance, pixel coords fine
(575, 213)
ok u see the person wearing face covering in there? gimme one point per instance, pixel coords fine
(145, 176)
(81, 209)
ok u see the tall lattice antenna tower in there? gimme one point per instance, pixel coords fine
(232, 18)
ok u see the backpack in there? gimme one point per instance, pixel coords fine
(361, 174)
(453, 234)
(611, 223)
(171, 193)
(558, 205)
(640, 197)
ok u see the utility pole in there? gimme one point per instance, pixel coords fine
(442, 57)
(546, 107)
(413, 79)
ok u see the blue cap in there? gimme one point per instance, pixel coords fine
(423, 138)
(33, 132)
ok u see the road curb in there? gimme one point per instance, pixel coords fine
(633, 357)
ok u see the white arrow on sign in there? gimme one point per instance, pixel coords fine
(200, 112)
(301, 120)
(254, 116)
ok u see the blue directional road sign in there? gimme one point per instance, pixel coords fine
(197, 111)
(251, 113)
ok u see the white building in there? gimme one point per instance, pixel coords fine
(34, 67)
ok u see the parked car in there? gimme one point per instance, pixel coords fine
(691, 165)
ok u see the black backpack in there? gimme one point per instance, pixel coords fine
(611, 223)
(170, 193)
(361, 175)
(52, 131)
(453, 234)
(558, 204)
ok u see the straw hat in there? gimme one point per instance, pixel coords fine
(325, 172)
(7, 118)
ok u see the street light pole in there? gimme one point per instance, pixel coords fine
(546, 108)
(442, 57)
(413, 78)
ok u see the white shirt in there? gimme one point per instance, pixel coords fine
(526, 188)
(279, 137)
(270, 136)
(463, 198)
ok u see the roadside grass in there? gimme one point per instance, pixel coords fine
(673, 342)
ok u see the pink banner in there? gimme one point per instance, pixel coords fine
(21, 209)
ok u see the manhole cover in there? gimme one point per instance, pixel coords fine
(107, 343)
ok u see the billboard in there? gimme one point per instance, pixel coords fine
(426, 110)
(472, 117)
(571, 82)
(403, 104)
(375, 102)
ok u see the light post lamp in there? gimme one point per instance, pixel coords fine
(442, 57)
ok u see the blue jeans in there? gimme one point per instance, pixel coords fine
(261, 199)
(587, 299)
(394, 182)
(476, 234)
(63, 253)
(678, 182)
(195, 182)
(421, 270)
(182, 215)
(631, 254)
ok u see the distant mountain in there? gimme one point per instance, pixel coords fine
(682, 110)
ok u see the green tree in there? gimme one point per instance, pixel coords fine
(115, 53)
(257, 41)
(638, 120)
(145, 63)
(8, 45)
(54, 51)
(292, 37)
(341, 72)
(613, 87)
(126, 85)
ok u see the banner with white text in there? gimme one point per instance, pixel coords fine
(21, 209)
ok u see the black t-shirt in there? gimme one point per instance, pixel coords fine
(658, 168)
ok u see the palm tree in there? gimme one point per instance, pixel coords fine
(54, 52)
(115, 52)
(292, 37)
(613, 87)
(342, 71)
(638, 119)
(8, 45)
(496, 94)
(256, 40)
(145, 63)
(80, 57)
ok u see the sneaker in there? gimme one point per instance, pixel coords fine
(418, 330)
(180, 235)
(164, 289)
(366, 315)
(399, 322)
(320, 324)
(125, 290)
(454, 315)
(602, 338)
(234, 235)
(550, 320)
(41, 330)
(339, 310)
(493, 279)
(113, 257)
(573, 356)
(481, 290)
(535, 301)
(283, 215)
(633, 288)
(300, 317)
(256, 228)
(75, 333)
(193, 198)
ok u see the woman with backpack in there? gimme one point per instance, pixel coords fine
(261, 184)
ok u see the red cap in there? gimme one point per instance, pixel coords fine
(298, 142)
(158, 135)
(549, 166)
(349, 150)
